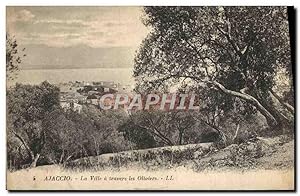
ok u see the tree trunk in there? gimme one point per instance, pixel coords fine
(180, 137)
(236, 133)
(61, 157)
(276, 119)
(34, 161)
(24, 143)
(285, 104)
(271, 120)
(96, 146)
(283, 116)
(68, 158)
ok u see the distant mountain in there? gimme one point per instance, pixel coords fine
(80, 56)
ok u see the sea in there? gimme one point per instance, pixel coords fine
(56, 76)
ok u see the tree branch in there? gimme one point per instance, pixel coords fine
(285, 104)
(229, 39)
(24, 143)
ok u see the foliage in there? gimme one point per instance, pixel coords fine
(137, 135)
(27, 107)
(225, 53)
(40, 132)
(13, 57)
(162, 128)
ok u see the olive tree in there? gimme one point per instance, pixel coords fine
(236, 51)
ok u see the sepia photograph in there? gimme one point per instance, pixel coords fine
(141, 98)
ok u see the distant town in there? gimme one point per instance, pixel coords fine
(78, 93)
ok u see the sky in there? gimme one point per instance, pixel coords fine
(76, 30)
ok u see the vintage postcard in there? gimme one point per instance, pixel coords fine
(150, 98)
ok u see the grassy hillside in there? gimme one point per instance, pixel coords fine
(266, 164)
(265, 153)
